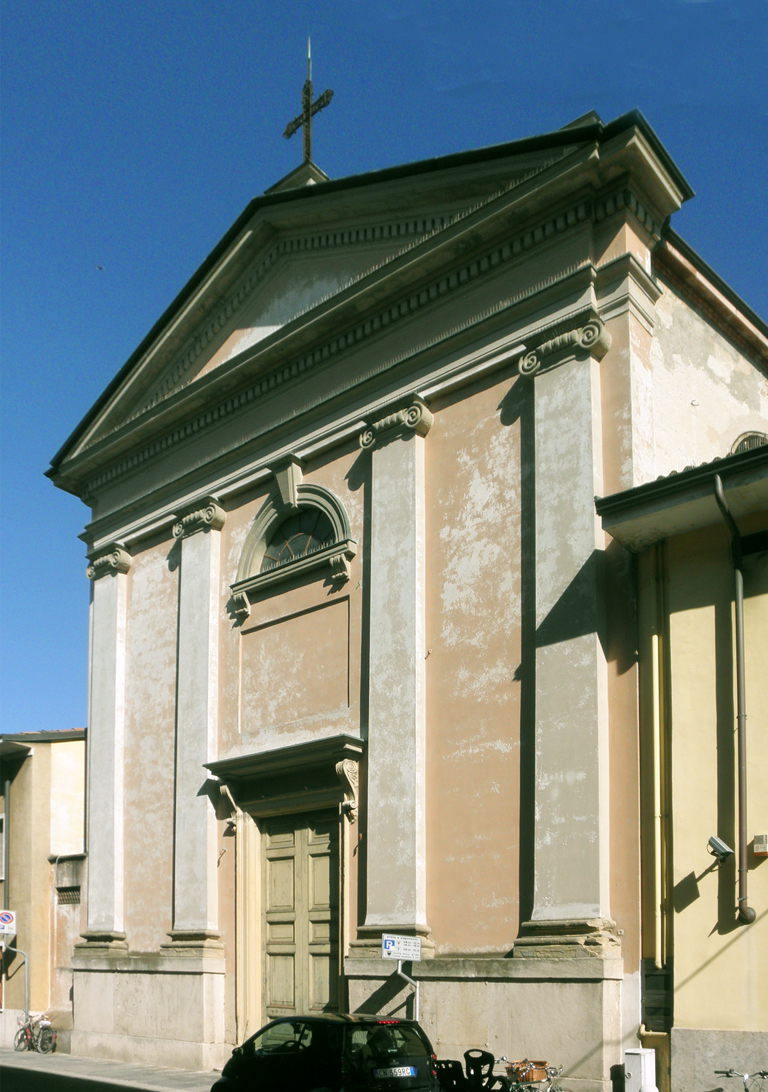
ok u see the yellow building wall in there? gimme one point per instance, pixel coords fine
(720, 965)
(67, 798)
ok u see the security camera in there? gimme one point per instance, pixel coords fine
(719, 849)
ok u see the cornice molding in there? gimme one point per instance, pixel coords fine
(413, 418)
(581, 211)
(304, 364)
(420, 229)
(111, 560)
(437, 225)
(590, 339)
(209, 517)
(626, 199)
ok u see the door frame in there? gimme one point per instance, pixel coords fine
(320, 775)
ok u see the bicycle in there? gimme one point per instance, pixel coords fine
(520, 1076)
(35, 1033)
(758, 1081)
(527, 1076)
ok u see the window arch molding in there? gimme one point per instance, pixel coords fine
(276, 510)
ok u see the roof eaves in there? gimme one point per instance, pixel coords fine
(677, 483)
(55, 735)
(636, 117)
(557, 138)
(717, 282)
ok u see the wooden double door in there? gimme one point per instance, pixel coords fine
(300, 905)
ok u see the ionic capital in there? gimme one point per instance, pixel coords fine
(413, 417)
(592, 338)
(111, 559)
(209, 517)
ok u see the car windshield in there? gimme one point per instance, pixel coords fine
(284, 1038)
(384, 1042)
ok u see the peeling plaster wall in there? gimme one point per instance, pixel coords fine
(266, 699)
(149, 746)
(473, 638)
(705, 393)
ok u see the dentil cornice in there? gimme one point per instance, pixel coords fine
(584, 209)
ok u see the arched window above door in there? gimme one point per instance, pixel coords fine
(300, 535)
(294, 532)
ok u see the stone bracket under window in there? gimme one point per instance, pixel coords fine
(335, 557)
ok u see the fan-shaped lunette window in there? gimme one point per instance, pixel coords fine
(309, 535)
(749, 441)
(298, 536)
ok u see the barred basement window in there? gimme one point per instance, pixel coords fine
(748, 442)
(68, 896)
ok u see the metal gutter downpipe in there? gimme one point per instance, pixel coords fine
(746, 914)
(6, 840)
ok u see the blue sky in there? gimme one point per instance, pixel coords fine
(134, 133)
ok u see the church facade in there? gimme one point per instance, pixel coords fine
(363, 658)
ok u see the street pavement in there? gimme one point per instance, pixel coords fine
(31, 1072)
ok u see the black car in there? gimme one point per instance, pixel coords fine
(332, 1053)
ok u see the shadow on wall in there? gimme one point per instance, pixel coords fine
(606, 575)
(380, 1000)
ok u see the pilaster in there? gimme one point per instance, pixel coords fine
(570, 914)
(396, 835)
(107, 570)
(195, 898)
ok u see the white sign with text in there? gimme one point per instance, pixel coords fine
(8, 923)
(398, 947)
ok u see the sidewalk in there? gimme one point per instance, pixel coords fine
(28, 1072)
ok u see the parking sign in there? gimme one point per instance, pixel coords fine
(394, 946)
(8, 923)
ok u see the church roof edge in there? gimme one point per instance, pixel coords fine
(670, 235)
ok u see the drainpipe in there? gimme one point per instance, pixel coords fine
(6, 840)
(746, 914)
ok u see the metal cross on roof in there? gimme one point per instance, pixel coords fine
(308, 108)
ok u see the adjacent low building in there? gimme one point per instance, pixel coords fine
(704, 923)
(42, 873)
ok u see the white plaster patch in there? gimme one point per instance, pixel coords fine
(705, 393)
(478, 560)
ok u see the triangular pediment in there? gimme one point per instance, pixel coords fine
(285, 279)
(289, 254)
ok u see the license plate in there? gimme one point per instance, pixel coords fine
(395, 1071)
